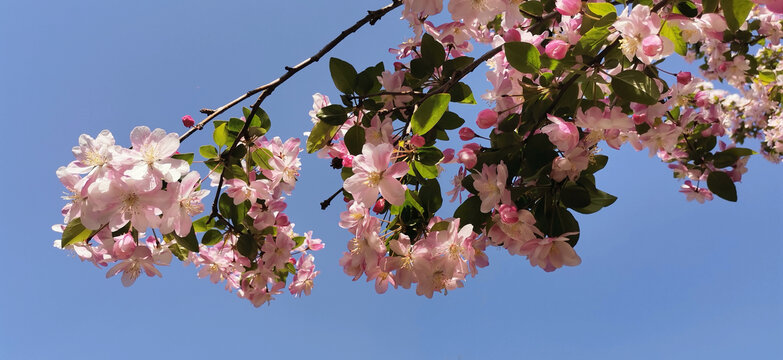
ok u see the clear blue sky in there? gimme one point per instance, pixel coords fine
(660, 278)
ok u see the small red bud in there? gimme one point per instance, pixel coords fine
(466, 134)
(188, 121)
(379, 205)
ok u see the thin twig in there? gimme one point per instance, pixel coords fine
(372, 17)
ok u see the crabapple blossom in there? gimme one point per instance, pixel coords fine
(373, 175)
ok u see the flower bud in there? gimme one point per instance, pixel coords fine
(556, 49)
(486, 119)
(282, 220)
(124, 246)
(568, 7)
(448, 156)
(684, 77)
(467, 157)
(508, 214)
(188, 121)
(379, 205)
(652, 45)
(466, 134)
(417, 141)
(512, 35)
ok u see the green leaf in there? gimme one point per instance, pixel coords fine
(208, 151)
(574, 196)
(354, 139)
(430, 196)
(687, 8)
(635, 86)
(367, 80)
(428, 155)
(429, 112)
(260, 119)
(534, 8)
(432, 51)
(439, 226)
(425, 171)
(592, 40)
(601, 8)
(321, 135)
(189, 241)
(235, 125)
(333, 114)
(187, 157)
(220, 135)
(261, 158)
(450, 121)
(247, 246)
(75, 232)
(454, 65)
(211, 237)
(523, 56)
(469, 212)
(673, 33)
(421, 68)
(461, 93)
(343, 75)
(201, 225)
(709, 6)
(597, 162)
(735, 12)
(721, 184)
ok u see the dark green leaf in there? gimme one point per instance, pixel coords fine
(333, 114)
(429, 155)
(534, 8)
(469, 212)
(461, 93)
(211, 237)
(432, 51)
(260, 119)
(429, 112)
(439, 226)
(430, 196)
(635, 86)
(247, 246)
(673, 33)
(709, 6)
(523, 57)
(592, 41)
(721, 184)
(453, 65)
(687, 8)
(354, 139)
(450, 121)
(343, 75)
(574, 196)
(189, 241)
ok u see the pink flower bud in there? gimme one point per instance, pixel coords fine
(473, 146)
(348, 161)
(346, 199)
(508, 214)
(448, 156)
(652, 45)
(568, 7)
(486, 119)
(466, 134)
(467, 157)
(512, 35)
(398, 66)
(556, 49)
(684, 77)
(124, 246)
(639, 119)
(188, 121)
(379, 205)
(417, 141)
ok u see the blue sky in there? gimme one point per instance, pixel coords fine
(660, 278)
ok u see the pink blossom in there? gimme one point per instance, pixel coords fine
(695, 193)
(186, 204)
(151, 156)
(141, 259)
(491, 185)
(372, 174)
(563, 134)
(393, 83)
(508, 214)
(303, 280)
(124, 246)
(568, 7)
(467, 157)
(570, 165)
(551, 253)
(652, 45)
(556, 49)
(277, 250)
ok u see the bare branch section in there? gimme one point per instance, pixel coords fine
(372, 17)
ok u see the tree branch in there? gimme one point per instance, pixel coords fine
(372, 17)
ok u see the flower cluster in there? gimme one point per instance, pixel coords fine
(564, 81)
(117, 194)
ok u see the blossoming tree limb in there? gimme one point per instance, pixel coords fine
(568, 77)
